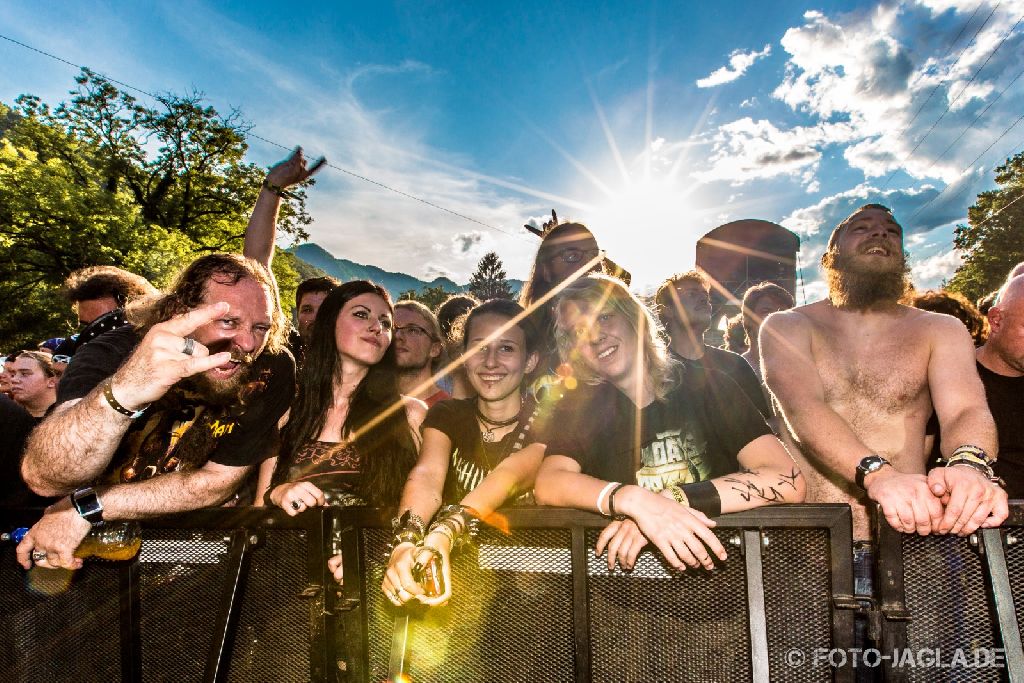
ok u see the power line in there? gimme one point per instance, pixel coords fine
(276, 144)
(950, 104)
(976, 119)
(967, 167)
(953, 65)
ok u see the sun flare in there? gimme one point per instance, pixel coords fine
(650, 226)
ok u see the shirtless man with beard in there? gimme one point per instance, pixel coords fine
(856, 377)
(166, 414)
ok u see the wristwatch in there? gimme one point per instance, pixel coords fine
(871, 463)
(88, 505)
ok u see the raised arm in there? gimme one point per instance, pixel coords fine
(262, 227)
(74, 446)
(964, 419)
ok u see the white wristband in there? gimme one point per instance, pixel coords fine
(601, 496)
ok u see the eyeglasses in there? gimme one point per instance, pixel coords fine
(61, 358)
(574, 255)
(414, 332)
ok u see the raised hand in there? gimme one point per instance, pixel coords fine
(293, 170)
(165, 356)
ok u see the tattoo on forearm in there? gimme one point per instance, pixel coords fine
(749, 489)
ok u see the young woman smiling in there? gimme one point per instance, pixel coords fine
(477, 451)
(653, 445)
(335, 448)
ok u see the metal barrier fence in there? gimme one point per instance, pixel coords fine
(244, 595)
(951, 607)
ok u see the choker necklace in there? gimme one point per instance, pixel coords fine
(490, 425)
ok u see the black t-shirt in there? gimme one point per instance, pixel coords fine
(472, 459)
(1006, 401)
(736, 368)
(179, 431)
(16, 424)
(693, 434)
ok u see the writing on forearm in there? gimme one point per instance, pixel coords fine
(750, 485)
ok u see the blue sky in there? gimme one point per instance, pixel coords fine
(651, 122)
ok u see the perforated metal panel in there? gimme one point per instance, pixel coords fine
(181, 578)
(272, 640)
(797, 591)
(510, 617)
(946, 596)
(59, 625)
(655, 624)
(1015, 569)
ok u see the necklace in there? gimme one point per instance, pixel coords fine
(490, 425)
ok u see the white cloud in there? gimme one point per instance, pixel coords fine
(746, 149)
(930, 272)
(815, 222)
(433, 270)
(739, 62)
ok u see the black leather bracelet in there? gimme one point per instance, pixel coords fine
(704, 496)
(278, 190)
(611, 501)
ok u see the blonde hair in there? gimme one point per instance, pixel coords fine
(602, 292)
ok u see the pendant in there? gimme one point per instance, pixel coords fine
(488, 436)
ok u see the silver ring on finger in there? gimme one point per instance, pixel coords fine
(190, 346)
(38, 555)
(296, 505)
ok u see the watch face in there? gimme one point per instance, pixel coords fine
(88, 505)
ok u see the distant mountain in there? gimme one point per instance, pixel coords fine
(395, 283)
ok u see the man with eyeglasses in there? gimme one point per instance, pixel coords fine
(684, 306)
(418, 350)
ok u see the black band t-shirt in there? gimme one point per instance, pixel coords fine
(693, 434)
(472, 459)
(178, 431)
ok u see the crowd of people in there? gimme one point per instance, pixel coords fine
(580, 395)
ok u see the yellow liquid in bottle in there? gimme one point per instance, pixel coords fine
(115, 541)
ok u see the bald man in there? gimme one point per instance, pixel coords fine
(1001, 366)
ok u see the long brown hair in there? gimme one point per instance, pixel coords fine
(189, 291)
(387, 449)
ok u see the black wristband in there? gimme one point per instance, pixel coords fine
(611, 500)
(704, 496)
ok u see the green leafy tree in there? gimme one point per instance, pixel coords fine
(489, 281)
(431, 297)
(993, 239)
(102, 179)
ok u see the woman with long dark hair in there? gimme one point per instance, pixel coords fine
(351, 438)
(476, 452)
